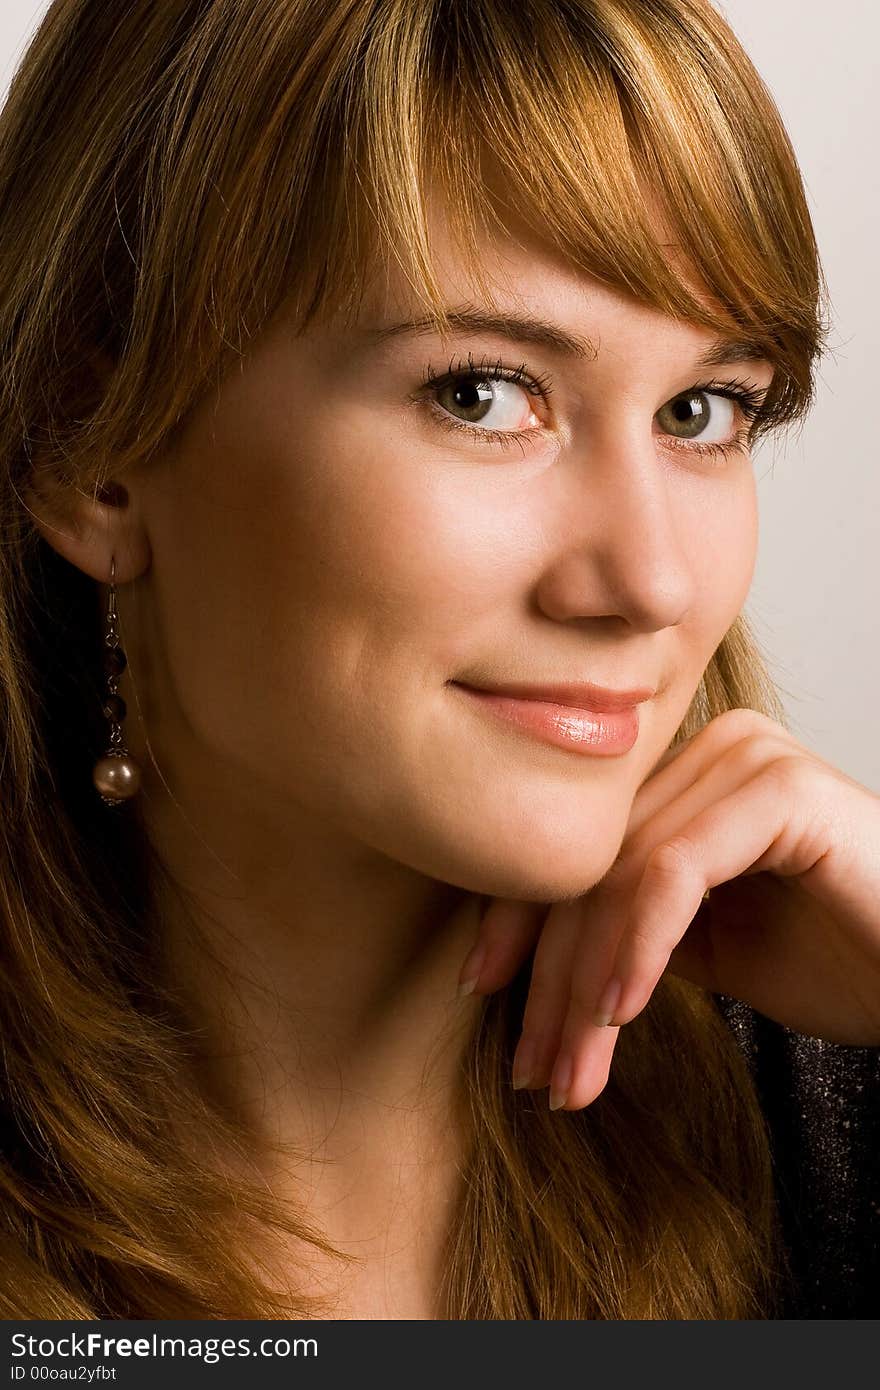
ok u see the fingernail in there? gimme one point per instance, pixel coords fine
(607, 1004)
(560, 1081)
(470, 971)
(524, 1063)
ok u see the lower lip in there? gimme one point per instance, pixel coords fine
(590, 732)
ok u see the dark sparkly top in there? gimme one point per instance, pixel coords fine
(822, 1104)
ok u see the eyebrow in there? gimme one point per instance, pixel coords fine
(528, 329)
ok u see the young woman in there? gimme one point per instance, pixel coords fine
(369, 374)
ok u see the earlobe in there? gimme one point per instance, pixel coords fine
(89, 531)
(88, 528)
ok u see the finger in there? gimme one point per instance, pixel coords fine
(506, 937)
(614, 896)
(763, 824)
(730, 768)
(680, 767)
(579, 1069)
(621, 887)
(548, 992)
(596, 987)
(577, 1079)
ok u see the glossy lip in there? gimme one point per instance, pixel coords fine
(597, 733)
(582, 696)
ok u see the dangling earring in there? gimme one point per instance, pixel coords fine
(117, 775)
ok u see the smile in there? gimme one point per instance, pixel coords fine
(591, 732)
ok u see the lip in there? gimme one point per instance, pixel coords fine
(574, 727)
(582, 695)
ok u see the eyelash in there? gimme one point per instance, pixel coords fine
(748, 398)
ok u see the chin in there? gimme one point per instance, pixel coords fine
(535, 862)
(542, 885)
(518, 833)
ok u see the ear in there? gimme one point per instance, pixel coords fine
(89, 530)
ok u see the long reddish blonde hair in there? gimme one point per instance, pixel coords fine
(171, 176)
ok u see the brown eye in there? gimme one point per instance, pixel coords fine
(685, 415)
(694, 414)
(471, 399)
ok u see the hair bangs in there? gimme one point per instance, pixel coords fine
(637, 140)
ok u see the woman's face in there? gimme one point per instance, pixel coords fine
(330, 553)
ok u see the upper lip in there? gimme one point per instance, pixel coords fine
(578, 695)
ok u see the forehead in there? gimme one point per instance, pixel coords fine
(538, 296)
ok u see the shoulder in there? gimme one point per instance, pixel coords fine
(821, 1102)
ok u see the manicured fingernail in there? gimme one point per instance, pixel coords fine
(524, 1063)
(560, 1081)
(607, 1003)
(470, 971)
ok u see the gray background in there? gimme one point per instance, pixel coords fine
(815, 592)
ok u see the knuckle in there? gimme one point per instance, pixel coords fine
(739, 721)
(743, 720)
(644, 946)
(742, 727)
(791, 774)
(671, 860)
(748, 755)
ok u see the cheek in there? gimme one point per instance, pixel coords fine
(722, 547)
(329, 573)
(410, 547)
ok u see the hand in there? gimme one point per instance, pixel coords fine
(789, 846)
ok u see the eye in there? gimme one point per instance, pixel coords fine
(496, 403)
(487, 398)
(489, 403)
(699, 414)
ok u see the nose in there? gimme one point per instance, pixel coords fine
(622, 537)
